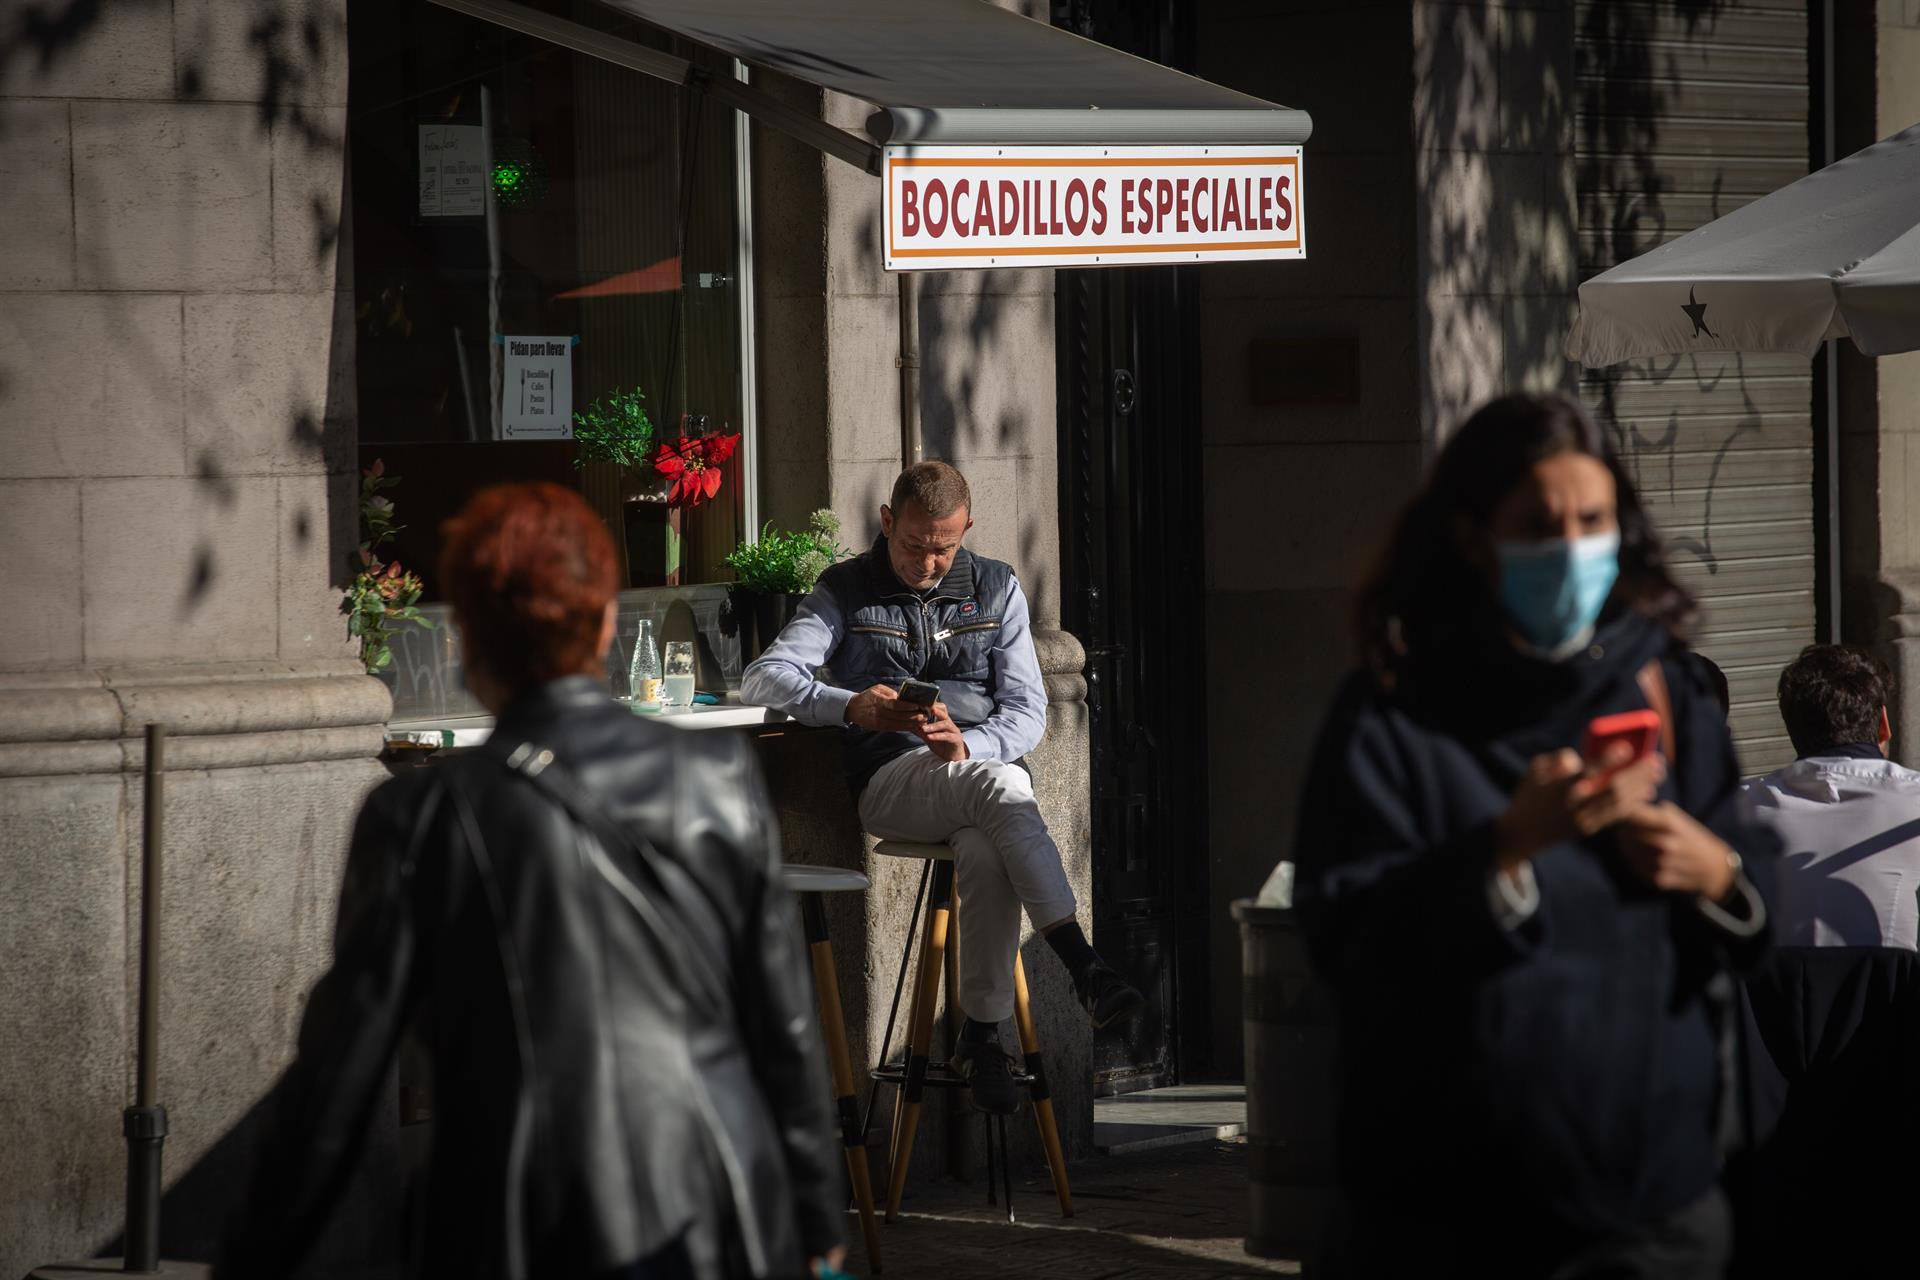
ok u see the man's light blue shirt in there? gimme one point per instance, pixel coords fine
(785, 677)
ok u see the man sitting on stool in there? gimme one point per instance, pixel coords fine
(919, 606)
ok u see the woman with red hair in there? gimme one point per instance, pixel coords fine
(583, 924)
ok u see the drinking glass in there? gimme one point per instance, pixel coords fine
(643, 673)
(679, 679)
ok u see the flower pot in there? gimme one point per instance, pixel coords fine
(761, 615)
(654, 546)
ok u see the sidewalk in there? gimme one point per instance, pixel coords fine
(1158, 1214)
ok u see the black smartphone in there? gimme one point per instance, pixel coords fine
(919, 692)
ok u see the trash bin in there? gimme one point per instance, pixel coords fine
(1289, 1056)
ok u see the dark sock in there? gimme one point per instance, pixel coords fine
(1074, 951)
(974, 1031)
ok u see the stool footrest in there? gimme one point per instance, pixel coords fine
(939, 1076)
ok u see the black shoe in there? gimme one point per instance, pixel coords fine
(1108, 997)
(989, 1076)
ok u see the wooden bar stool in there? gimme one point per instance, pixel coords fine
(809, 883)
(917, 1072)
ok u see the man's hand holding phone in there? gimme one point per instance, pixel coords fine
(913, 708)
(1563, 797)
(942, 735)
(882, 710)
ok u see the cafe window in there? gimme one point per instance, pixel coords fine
(545, 248)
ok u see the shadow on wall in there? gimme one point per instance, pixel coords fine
(1492, 133)
(362, 1236)
(292, 50)
(975, 365)
(1510, 115)
(1623, 105)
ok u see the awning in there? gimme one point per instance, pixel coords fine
(966, 72)
(1834, 255)
(1001, 141)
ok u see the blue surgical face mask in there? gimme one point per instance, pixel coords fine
(1553, 591)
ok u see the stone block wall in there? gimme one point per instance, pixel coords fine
(1297, 493)
(1495, 206)
(178, 500)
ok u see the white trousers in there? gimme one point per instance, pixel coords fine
(1003, 858)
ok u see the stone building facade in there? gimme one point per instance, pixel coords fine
(178, 492)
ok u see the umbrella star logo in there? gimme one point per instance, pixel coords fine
(1697, 312)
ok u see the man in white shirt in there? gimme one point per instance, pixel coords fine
(1837, 1002)
(1848, 817)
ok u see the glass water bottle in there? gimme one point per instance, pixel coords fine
(643, 673)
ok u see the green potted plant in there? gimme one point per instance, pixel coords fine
(382, 596)
(776, 572)
(616, 430)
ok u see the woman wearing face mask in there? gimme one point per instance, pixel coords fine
(1520, 942)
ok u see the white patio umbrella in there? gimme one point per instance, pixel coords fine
(1834, 255)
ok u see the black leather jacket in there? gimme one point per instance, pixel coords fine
(581, 1104)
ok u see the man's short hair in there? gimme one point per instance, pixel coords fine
(529, 570)
(1832, 694)
(940, 490)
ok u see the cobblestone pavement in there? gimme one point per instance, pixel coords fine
(1175, 1211)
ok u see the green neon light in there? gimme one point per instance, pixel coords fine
(509, 180)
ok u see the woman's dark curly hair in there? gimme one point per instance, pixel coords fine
(1424, 591)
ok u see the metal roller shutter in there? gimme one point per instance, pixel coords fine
(1686, 113)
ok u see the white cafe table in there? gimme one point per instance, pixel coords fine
(471, 731)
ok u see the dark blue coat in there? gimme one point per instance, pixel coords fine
(1507, 1097)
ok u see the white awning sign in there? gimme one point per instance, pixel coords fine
(989, 207)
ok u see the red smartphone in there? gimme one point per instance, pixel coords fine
(1638, 729)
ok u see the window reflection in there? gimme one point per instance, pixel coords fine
(504, 188)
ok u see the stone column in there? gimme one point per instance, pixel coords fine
(177, 500)
(1877, 82)
(1495, 206)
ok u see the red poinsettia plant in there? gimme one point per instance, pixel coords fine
(693, 464)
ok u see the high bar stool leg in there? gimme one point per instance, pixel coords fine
(826, 981)
(920, 934)
(955, 1025)
(1006, 1165)
(893, 1012)
(920, 1034)
(1042, 1100)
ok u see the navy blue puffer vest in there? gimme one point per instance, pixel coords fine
(894, 633)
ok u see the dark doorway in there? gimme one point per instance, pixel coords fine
(1133, 591)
